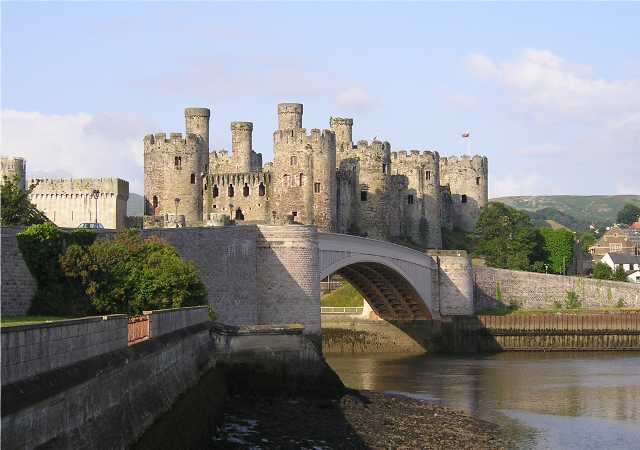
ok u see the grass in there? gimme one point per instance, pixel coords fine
(14, 321)
(529, 312)
(346, 295)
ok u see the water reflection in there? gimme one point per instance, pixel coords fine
(549, 400)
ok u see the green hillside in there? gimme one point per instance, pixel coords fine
(572, 211)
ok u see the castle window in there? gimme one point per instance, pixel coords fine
(316, 187)
(285, 178)
(463, 199)
(384, 168)
(477, 181)
(410, 199)
(231, 191)
(261, 189)
(245, 190)
(363, 196)
(214, 191)
(193, 178)
(215, 206)
(300, 179)
(428, 175)
(178, 162)
(155, 203)
(294, 160)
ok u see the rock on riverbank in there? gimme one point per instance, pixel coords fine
(357, 420)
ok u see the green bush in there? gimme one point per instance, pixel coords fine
(572, 301)
(619, 275)
(602, 271)
(558, 247)
(41, 247)
(16, 207)
(129, 274)
(620, 303)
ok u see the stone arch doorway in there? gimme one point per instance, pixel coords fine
(239, 214)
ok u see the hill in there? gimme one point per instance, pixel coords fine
(135, 205)
(582, 210)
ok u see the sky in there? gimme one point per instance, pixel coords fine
(550, 92)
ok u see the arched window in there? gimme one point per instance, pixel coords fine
(410, 199)
(384, 168)
(477, 181)
(300, 179)
(193, 178)
(239, 215)
(231, 191)
(294, 160)
(245, 190)
(214, 191)
(428, 175)
(316, 187)
(285, 179)
(178, 162)
(261, 189)
(363, 195)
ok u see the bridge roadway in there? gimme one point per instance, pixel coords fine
(399, 283)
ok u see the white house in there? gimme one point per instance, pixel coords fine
(634, 276)
(628, 261)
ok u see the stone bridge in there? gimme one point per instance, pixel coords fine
(398, 282)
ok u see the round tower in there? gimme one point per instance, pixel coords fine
(197, 122)
(467, 178)
(323, 190)
(289, 116)
(241, 145)
(14, 168)
(343, 128)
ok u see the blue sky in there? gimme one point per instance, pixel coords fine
(549, 91)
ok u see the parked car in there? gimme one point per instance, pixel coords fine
(91, 226)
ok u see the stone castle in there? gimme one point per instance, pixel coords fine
(318, 177)
(68, 202)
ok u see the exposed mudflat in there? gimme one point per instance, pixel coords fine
(359, 419)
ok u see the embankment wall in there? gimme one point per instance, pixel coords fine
(538, 290)
(17, 284)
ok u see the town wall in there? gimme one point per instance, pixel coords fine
(538, 290)
(69, 202)
(18, 285)
(13, 167)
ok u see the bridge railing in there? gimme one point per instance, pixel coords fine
(355, 310)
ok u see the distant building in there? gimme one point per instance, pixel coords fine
(629, 263)
(615, 240)
(634, 276)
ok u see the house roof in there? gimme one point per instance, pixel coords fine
(624, 258)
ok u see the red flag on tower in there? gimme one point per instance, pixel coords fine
(466, 134)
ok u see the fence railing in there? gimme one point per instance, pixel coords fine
(138, 329)
(356, 310)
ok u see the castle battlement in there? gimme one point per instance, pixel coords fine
(476, 162)
(84, 186)
(375, 146)
(300, 136)
(415, 157)
(160, 138)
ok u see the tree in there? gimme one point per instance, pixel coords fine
(558, 246)
(602, 271)
(129, 274)
(505, 237)
(629, 214)
(586, 240)
(618, 274)
(16, 207)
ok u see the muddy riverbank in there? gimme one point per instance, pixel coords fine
(355, 420)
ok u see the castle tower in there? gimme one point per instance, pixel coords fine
(12, 168)
(197, 122)
(467, 178)
(343, 128)
(421, 199)
(289, 116)
(241, 145)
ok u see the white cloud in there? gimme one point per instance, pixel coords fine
(354, 98)
(75, 145)
(544, 80)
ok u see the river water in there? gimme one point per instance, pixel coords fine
(543, 400)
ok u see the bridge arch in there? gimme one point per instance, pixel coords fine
(396, 281)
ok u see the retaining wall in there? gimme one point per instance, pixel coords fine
(29, 350)
(538, 290)
(164, 321)
(17, 284)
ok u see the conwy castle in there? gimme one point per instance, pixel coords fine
(319, 177)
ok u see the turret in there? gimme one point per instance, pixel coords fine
(467, 177)
(343, 128)
(289, 116)
(13, 168)
(241, 145)
(197, 122)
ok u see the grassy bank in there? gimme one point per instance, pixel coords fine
(345, 295)
(13, 321)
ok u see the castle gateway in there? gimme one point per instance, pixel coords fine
(317, 178)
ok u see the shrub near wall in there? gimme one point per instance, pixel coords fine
(41, 246)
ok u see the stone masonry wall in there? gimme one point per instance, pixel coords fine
(28, 350)
(165, 321)
(18, 285)
(538, 290)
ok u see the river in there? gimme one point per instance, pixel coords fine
(543, 400)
